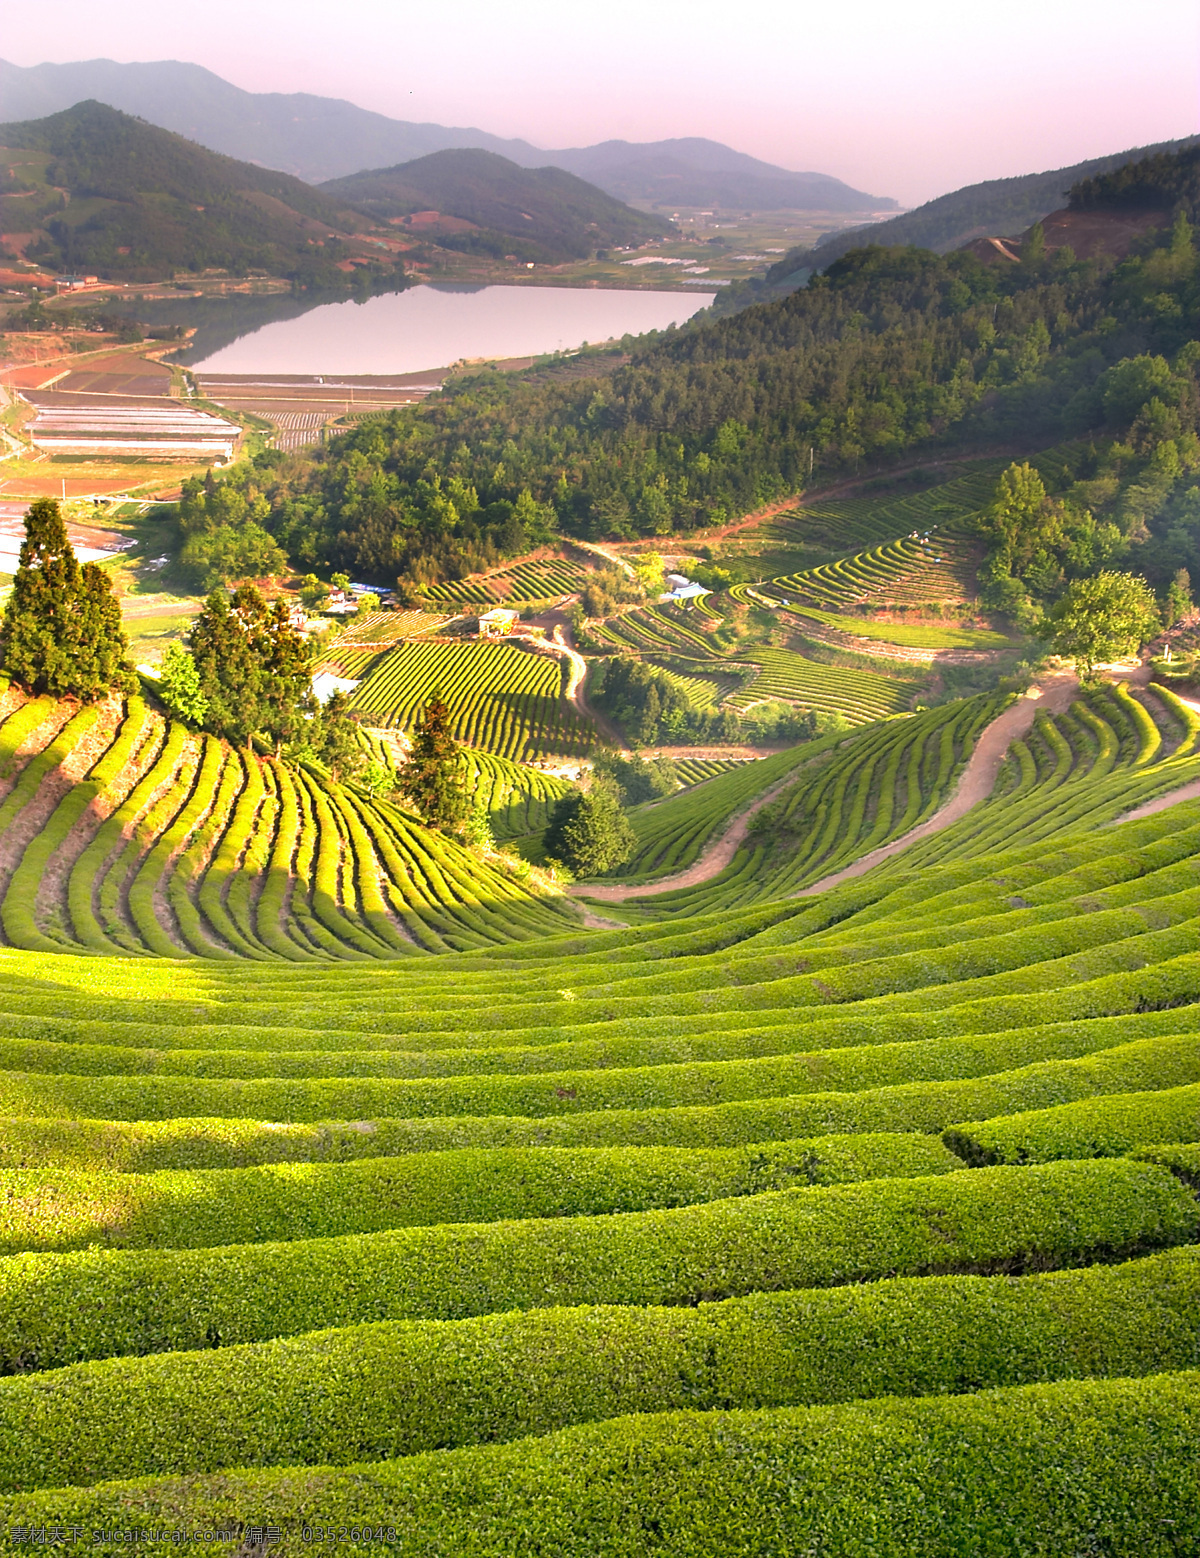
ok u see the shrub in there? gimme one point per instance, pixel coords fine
(178, 1210)
(65, 1308)
(398, 1388)
(1039, 1470)
(1090, 1128)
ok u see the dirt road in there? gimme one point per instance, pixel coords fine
(1052, 695)
(978, 779)
(712, 860)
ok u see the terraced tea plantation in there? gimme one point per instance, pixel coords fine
(936, 567)
(865, 521)
(502, 699)
(122, 833)
(356, 1192)
(805, 1224)
(858, 696)
(545, 579)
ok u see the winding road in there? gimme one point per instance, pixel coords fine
(1051, 695)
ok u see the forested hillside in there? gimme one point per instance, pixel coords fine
(539, 214)
(1006, 206)
(891, 357)
(120, 197)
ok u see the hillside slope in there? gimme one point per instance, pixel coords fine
(541, 213)
(122, 833)
(330, 1220)
(111, 194)
(949, 222)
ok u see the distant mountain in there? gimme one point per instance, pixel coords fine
(496, 207)
(313, 138)
(695, 172)
(322, 138)
(104, 192)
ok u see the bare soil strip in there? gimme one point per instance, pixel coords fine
(711, 862)
(978, 779)
(1052, 695)
(1186, 792)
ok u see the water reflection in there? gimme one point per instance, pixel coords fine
(427, 326)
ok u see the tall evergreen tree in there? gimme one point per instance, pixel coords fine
(252, 667)
(431, 777)
(336, 739)
(62, 627)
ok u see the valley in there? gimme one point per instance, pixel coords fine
(598, 942)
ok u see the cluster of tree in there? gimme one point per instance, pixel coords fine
(221, 528)
(1088, 505)
(607, 589)
(359, 516)
(1101, 619)
(651, 707)
(61, 633)
(637, 779)
(1164, 181)
(245, 672)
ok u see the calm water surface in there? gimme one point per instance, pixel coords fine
(433, 326)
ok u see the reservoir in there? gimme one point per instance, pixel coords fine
(436, 325)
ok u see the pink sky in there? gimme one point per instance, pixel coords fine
(907, 101)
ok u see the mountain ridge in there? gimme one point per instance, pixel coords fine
(543, 214)
(131, 201)
(319, 138)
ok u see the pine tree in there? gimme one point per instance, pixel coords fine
(229, 674)
(62, 628)
(253, 668)
(431, 777)
(590, 833)
(336, 739)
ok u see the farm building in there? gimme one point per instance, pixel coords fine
(325, 684)
(682, 588)
(498, 623)
(161, 431)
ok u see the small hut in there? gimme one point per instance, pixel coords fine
(498, 623)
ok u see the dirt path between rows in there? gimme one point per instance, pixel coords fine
(711, 862)
(1053, 695)
(1186, 792)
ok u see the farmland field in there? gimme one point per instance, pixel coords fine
(886, 1191)
(502, 699)
(152, 840)
(537, 580)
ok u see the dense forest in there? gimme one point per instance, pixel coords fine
(892, 355)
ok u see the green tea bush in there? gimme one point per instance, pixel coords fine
(398, 1388)
(185, 1210)
(1037, 1470)
(1091, 1128)
(65, 1308)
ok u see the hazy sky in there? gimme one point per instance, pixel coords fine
(902, 100)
